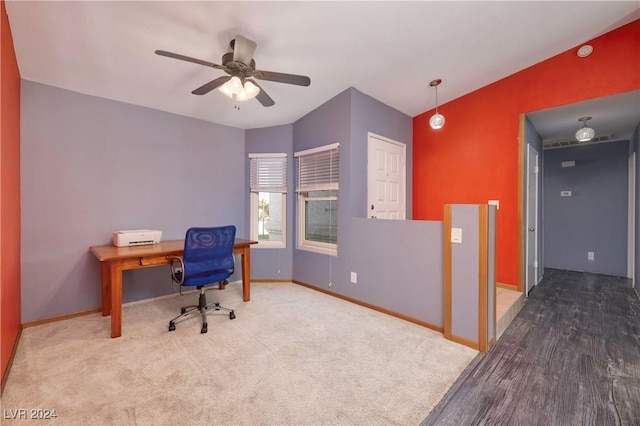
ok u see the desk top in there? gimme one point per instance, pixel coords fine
(163, 248)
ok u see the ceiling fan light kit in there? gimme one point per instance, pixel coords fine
(437, 120)
(585, 134)
(234, 88)
(240, 67)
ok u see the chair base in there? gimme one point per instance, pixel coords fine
(201, 307)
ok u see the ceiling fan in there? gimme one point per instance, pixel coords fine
(242, 73)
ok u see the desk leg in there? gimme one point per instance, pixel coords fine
(105, 272)
(246, 274)
(116, 299)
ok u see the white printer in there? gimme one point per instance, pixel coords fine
(136, 237)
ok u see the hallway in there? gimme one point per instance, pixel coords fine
(571, 356)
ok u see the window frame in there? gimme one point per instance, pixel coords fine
(311, 245)
(254, 203)
(303, 198)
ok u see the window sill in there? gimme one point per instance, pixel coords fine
(331, 251)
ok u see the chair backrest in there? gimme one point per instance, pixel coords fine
(209, 249)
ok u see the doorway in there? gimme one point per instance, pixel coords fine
(615, 120)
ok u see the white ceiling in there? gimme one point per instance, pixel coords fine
(388, 50)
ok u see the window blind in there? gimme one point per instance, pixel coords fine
(318, 168)
(268, 172)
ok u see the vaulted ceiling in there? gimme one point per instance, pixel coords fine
(388, 50)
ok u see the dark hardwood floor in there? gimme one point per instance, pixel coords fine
(570, 357)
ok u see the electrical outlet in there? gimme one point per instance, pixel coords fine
(354, 277)
(590, 255)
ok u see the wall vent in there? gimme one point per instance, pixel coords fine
(550, 144)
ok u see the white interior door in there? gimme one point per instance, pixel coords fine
(386, 179)
(531, 270)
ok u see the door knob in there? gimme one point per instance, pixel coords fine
(532, 229)
(372, 207)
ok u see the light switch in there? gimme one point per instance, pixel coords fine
(456, 235)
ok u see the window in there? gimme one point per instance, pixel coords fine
(268, 183)
(317, 187)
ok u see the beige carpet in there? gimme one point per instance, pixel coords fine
(293, 356)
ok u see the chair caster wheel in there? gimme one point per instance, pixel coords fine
(204, 328)
(232, 315)
(172, 326)
(183, 310)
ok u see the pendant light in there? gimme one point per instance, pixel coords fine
(585, 134)
(437, 120)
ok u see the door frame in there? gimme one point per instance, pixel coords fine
(631, 229)
(520, 203)
(536, 233)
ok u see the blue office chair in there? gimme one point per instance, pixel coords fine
(207, 260)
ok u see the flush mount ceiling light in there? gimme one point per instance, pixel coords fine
(242, 92)
(584, 51)
(585, 134)
(437, 120)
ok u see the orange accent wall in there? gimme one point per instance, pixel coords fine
(10, 310)
(474, 157)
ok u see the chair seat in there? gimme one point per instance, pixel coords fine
(206, 278)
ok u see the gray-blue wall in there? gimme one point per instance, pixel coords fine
(399, 263)
(595, 217)
(267, 262)
(91, 166)
(465, 270)
(329, 123)
(467, 288)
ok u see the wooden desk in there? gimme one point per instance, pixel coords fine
(114, 260)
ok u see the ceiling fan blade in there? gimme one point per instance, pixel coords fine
(214, 84)
(243, 49)
(262, 96)
(299, 80)
(188, 59)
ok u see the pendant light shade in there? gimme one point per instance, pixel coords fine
(585, 134)
(437, 120)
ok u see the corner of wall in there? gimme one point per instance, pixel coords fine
(10, 279)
